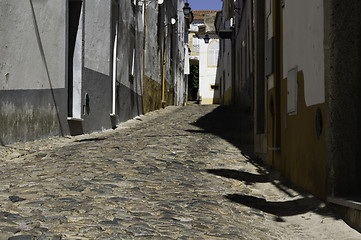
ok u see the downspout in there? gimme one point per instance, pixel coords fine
(233, 51)
(144, 38)
(115, 50)
(163, 79)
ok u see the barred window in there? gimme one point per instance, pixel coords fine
(195, 44)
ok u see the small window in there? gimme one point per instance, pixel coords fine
(214, 86)
(132, 55)
(134, 4)
(195, 44)
(132, 63)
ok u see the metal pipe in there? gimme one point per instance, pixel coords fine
(163, 80)
(144, 40)
(115, 50)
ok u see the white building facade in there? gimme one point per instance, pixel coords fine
(204, 45)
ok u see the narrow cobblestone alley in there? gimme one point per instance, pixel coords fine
(176, 173)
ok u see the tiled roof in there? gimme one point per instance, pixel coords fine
(203, 30)
(199, 14)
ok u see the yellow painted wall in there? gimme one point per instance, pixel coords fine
(302, 155)
(227, 97)
(168, 94)
(206, 101)
(293, 145)
(305, 159)
(152, 95)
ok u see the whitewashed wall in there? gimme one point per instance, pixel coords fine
(34, 46)
(207, 75)
(303, 36)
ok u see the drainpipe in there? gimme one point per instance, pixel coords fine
(233, 72)
(163, 80)
(144, 38)
(115, 50)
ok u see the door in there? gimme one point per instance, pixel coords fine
(75, 57)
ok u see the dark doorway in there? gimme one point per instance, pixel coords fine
(74, 23)
(193, 82)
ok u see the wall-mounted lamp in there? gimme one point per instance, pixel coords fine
(186, 9)
(171, 23)
(206, 38)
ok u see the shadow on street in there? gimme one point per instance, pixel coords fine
(281, 209)
(236, 127)
(248, 178)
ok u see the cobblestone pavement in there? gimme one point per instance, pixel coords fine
(176, 173)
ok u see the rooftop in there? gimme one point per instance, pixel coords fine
(199, 14)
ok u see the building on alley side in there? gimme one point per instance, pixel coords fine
(296, 72)
(76, 66)
(204, 46)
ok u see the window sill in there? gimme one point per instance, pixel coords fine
(75, 119)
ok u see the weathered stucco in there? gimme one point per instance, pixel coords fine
(30, 122)
(303, 39)
(225, 75)
(32, 119)
(98, 34)
(243, 58)
(303, 152)
(164, 43)
(152, 96)
(32, 53)
(60, 72)
(343, 87)
(293, 145)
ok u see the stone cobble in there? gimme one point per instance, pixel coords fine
(175, 173)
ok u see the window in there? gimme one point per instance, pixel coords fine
(134, 4)
(132, 58)
(132, 54)
(195, 44)
(212, 56)
(214, 87)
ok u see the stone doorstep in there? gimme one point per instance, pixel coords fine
(350, 202)
(350, 209)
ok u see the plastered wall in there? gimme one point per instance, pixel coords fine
(207, 75)
(32, 45)
(303, 38)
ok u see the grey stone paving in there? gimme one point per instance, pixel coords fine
(175, 173)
